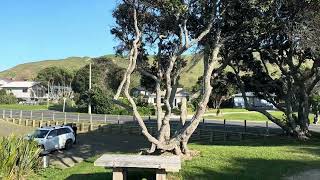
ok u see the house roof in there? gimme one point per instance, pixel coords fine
(21, 84)
(4, 80)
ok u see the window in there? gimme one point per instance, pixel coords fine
(53, 133)
(63, 131)
(25, 90)
(40, 133)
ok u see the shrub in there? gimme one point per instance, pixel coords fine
(147, 110)
(6, 98)
(18, 157)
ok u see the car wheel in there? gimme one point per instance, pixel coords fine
(68, 144)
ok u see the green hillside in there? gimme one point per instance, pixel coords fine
(28, 71)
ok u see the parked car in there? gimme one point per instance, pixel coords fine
(54, 137)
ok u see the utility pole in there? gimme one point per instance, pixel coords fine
(90, 75)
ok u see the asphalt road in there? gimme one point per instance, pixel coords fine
(260, 127)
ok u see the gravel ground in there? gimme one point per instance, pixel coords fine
(9, 128)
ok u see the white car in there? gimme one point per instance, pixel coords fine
(54, 137)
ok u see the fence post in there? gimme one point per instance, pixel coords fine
(31, 115)
(211, 137)
(203, 123)
(11, 113)
(267, 127)
(224, 125)
(53, 116)
(3, 114)
(20, 118)
(245, 125)
(65, 118)
(105, 119)
(240, 136)
(78, 117)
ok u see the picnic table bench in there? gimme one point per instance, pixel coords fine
(120, 164)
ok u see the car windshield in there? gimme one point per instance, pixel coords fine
(40, 133)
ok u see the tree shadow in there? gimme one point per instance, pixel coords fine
(133, 174)
(248, 169)
(95, 143)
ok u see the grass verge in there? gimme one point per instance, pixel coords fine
(23, 107)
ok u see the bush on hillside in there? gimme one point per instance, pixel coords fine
(19, 158)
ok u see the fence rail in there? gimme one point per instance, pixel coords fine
(36, 117)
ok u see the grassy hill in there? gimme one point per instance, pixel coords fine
(28, 71)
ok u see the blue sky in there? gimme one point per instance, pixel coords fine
(33, 30)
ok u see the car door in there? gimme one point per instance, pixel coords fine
(62, 137)
(52, 141)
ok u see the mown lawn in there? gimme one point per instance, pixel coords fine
(246, 115)
(227, 110)
(250, 116)
(273, 158)
(23, 107)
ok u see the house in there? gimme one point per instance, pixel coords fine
(26, 90)
(253, 100)
(150, 97)
(4, 81)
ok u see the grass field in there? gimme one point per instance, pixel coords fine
(9, 128)
(250, 116)
(23, 107)
(263, 159)
(242, 114)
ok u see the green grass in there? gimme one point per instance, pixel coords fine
(226, 110)
(273, 158)
(242, 114)
(23, 107)
(250, 116)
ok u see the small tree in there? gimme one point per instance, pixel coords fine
(173, 27)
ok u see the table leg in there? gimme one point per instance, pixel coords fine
(119, 174)
(161, 174)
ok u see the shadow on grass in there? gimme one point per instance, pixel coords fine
(133, 174)
(248, 169)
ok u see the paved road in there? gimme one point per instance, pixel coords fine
(257, 126)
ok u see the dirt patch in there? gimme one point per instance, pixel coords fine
(7, 128)
(313, 174)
